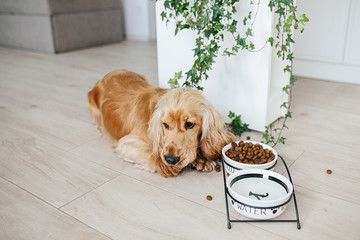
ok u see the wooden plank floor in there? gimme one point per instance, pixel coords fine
(59, 178)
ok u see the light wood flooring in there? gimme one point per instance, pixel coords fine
(59, 178)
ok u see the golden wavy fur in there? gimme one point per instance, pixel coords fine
(162, 130)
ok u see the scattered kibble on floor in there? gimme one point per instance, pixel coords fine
(208, 197)
(328, 171)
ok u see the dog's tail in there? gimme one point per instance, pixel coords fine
(94, 97)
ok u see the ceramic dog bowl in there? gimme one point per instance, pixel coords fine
(258, 193)
(233, 166)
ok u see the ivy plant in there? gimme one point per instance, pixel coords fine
(236, 125)
(212, 20)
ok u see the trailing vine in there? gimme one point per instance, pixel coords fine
(212, 20)
(288, 21)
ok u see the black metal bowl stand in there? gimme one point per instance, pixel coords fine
(229, 221)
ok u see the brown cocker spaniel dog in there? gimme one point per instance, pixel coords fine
(162, 130)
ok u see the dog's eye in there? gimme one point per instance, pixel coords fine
(189, 125)
(166, 126)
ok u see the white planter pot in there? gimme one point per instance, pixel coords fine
(249, 84)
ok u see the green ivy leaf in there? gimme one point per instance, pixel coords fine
(185, 26)
(290, 57)
(249, 32)
(232, 27)
(282, 140)
(280, 11)
(284, 105)
(271, 5)
(303, 19)
(287, 68)
(236, 125)
(271, 41)
(244, 21)
(163, 16)
(241, 41)
(288, 114)
(286, 89)
(226, 51)
(292, 8)
(235, 49)
(174, 82)
(228, 15)
(293, 80)
(231, 114)
(176, 31)
(251, 46)
(289, 39)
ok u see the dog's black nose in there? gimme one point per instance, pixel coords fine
(171, 159)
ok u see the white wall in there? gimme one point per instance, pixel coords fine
(329, 48)
(139, 17)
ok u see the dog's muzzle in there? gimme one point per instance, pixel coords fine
(171, 159)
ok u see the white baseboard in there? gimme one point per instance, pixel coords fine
(327, 71)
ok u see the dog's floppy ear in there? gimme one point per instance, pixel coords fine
(156, 132)
(214, 135)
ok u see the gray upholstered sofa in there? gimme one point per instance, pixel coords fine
(59, 25)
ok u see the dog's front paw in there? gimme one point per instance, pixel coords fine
(204, 165)
(144, 167)
(122, 152)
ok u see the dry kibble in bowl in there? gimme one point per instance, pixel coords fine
(249, 153)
